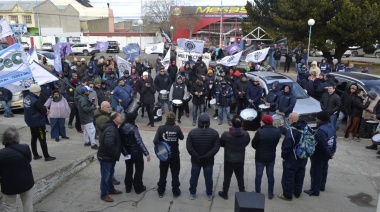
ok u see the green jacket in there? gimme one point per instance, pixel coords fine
(101, 117)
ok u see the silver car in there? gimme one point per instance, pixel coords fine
(306, 106)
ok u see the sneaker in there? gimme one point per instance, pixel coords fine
(223, 195)
(209, 197)
(95, 147)
(87, 144)
(194, 123)
(192, 196)
(70, 126)
(270, 196)
(281, 196)
(37, 157)
(12, 115)
(50, 158)
(65, 137)
(57, 139)
(177, 193)
(215, 115)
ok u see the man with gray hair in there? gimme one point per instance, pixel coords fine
(16, 172)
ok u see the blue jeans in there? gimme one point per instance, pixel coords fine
(58, 128)
(162, 102)
(207, 172)
(195, 111)
(259, 174)
(332, 119)
(7, 107)
(107, 169)
(220, 113)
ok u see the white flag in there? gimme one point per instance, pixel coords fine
(257, 56)
(33, 56)
(191, 45)
(166, 61)
(123, 65)
(154, 48)
(40, 76)
(232, 60)
(5, 29)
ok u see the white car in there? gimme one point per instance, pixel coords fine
(85, 49)
(47, 47)
(17, 101)
(346, 53)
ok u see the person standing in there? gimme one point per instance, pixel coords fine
(255, 92)
(223, 100)
(265, 143)
(293, 173)
(34, 116)
(140, 84)
(134, 145)
(16, 172)
(277, 58)
(122, 94)
(330, 102)
(241, 93)
(285, 103)
(148, 90)
(74, 113)
(234, 142)
(59, 110)
(200, 93)
(177, 92)
(169, 133)
(325, 138)
(366, 130)
(172, 71)
(6, 101)
(288, 60)
(162, 81)
(110, 148)
(272, 96)
(202, 144)
(86, 112)
(346, 100)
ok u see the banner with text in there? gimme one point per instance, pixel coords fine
(5, 29)
(183, 57)
(13, 65)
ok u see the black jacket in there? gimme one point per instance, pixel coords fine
(203, 142)
(131, 139)
(109, 143)
(273, 95)
(357, 106)
(170, 133)
(15, 169)
(162, 82)
(148, 92)
(172, 71)
(241, 87)
(234, 142)
(330, 103)
(198, 100)
(265, 143)
(277, 55)
(346, 100)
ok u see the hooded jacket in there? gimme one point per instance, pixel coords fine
(273, 96)
(265, 143)
(325, 137)
(314, 69)
(172, 71)
(132, 140)
(346, 100)
(286, 102)
(324, 67)
(148, 92)
(110, 145)
(162, 82)
(234, 142)
(302, 73)
(170, 133)
(203, 142)
(201, 70)
(101, 117)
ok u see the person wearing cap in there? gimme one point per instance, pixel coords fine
(325, 139)
(74, 113)
(177, 92)
(134, 145)
(340, 67)
(265, 142)
(254, 92)
(86, 112)
(81, 68)
(223, 97)
(234, 141)
(172, 70)
(330, 102)
(293, 173)
(34, 116)
(324, 66)
(122, 94)
(169, 133)
(366, 130)
(128, 80)
(241, 93)
(200, 93)
(357, 108)
(163, 82)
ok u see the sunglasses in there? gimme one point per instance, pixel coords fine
(255, 81)
(162, 71)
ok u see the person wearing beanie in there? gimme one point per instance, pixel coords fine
(202, 144)
(169, 133)
(200, 93)
(172, 70)
(223, 97)
(325, 139)
(293, 173)
(34, 116)
(134, 145)
(177, 92)
(366, 130)
(330, 102)
(302, 72)
(234, 142)
(201, 70)
(163, 82)
(265, 142)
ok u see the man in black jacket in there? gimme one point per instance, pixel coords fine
(293, 167)
(325, 138)
(163, 82)
(330, 102)
(110, 148)
(148, 90)
(277, 57)
(172, 71)
(288, 60)
(272, 96)
(241, 92)
(200, 93)
(345, 106)
(234, 142)
(177, 92)
(265, 143)
(16, 172)
(202, 144)
(169, 133)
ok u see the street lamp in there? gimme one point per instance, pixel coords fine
(310, 22)
(171, 32)
(140, 23)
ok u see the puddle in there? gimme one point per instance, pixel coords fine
(361, 199)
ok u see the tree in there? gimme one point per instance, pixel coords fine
(187, 19)
(342, 23)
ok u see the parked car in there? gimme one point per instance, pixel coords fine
(113, 46)
(346, 53)
(25, 45)
(85, 49)
(17, 102)
(316, 53)
(377, 52)
(367, 82)
(47, 47)
(357, 51)
(306, 106)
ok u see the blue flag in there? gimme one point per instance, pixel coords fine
(233, 48)
(102, 45)
(131, 51)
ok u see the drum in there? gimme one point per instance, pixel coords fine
(372, 122)
(264, 107)
(157, 113)
(248, 114)
(163, 95)
(376, 139)
(162, 151)
(133, 107)
(213, 104)
(177, 102)
(187, 97)
(278, 120)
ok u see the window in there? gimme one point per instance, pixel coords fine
(27, 19)
(14, 18)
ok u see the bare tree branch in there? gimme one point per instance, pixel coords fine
(187, 19)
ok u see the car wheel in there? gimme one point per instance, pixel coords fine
(85, 52)
(377, 55)
(355, 53)
(314, 55)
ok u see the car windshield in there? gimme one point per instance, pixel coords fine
(46, 44)
(112, 43)
(297, 90)
(48, 55)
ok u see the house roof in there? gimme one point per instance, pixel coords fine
(27, 6)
